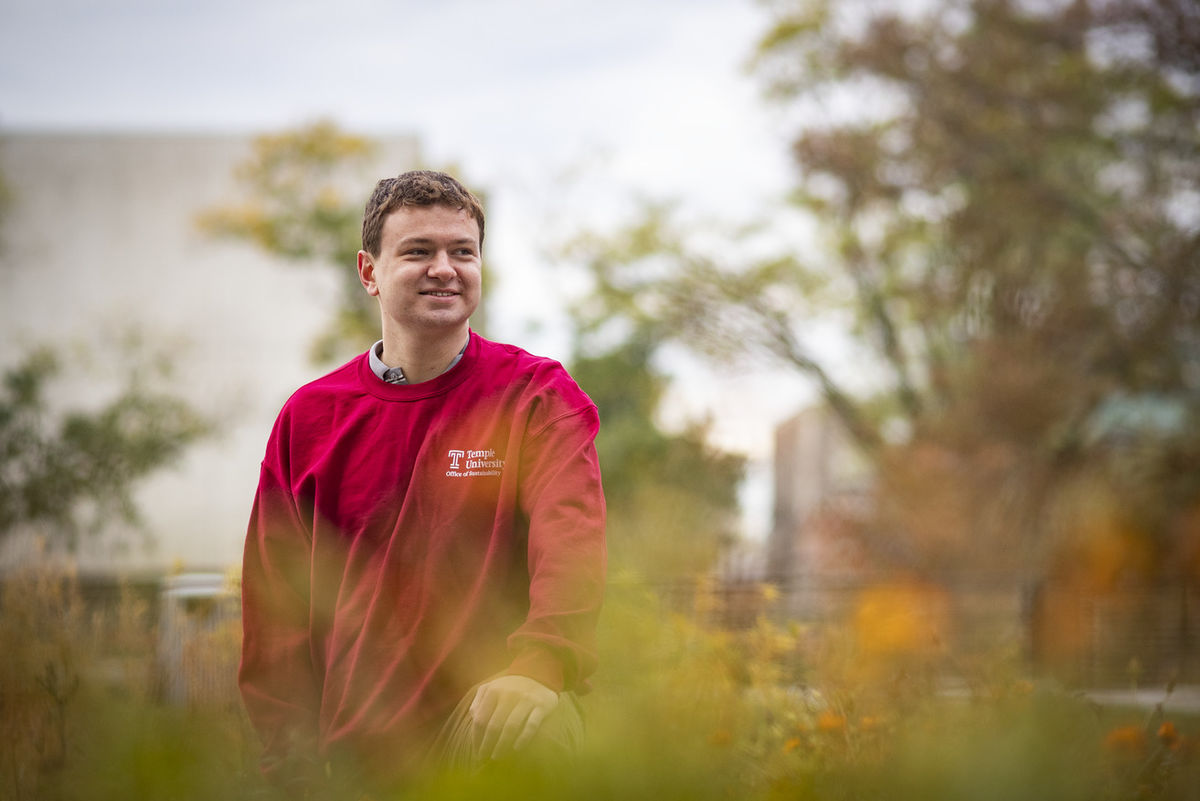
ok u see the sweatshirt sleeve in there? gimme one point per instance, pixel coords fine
(564, 501)
(276, 676)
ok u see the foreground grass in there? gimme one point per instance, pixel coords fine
(680, 711)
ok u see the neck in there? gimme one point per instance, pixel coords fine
(422, 357)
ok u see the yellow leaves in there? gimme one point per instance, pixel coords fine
(322, 142)
(328, 199)
(770, 593)
(295, 188)
(249, 221)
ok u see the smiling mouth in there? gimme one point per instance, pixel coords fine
(437, 293)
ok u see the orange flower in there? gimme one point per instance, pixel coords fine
(1126, 741)
(831, 723)
(792, 744)
(1168, 735)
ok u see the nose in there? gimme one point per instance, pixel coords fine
(440, 267)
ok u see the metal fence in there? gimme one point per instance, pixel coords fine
(198, 639)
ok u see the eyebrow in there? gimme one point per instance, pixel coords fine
(425, 240)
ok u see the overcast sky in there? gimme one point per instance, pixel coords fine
(507, 88)
(563, 110)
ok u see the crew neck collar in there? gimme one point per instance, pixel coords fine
(379, 368)
(452, 377)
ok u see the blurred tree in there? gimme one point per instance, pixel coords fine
(296, 207)
(68, 472)
(672, 498)
(304, 195)
(1008, 200)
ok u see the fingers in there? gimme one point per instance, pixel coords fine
(510, 729)
(507, 712)
(498, 722)
(532, 724)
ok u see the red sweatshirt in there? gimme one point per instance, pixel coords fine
(409, 541)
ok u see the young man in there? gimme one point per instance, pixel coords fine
(429, 523)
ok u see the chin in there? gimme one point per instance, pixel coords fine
(439, 322)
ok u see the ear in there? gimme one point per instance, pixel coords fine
(366, 272)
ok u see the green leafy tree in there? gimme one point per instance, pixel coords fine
(672, 498)
(1010, 209)
(67, 472)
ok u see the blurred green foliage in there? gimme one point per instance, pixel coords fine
(81, 715)
(681, 711)
(66, 471)
(672, 497)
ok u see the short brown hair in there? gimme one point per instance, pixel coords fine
(415, 188)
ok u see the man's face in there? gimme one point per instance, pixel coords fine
(427, 274)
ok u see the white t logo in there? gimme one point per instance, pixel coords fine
(454, 457)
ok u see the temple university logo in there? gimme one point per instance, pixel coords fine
(467, 463)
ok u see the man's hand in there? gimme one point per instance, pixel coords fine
(507, 711)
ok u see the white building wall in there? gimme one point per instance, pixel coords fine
(100, 233)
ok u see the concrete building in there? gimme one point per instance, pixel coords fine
(820, 480)
(100, 234)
